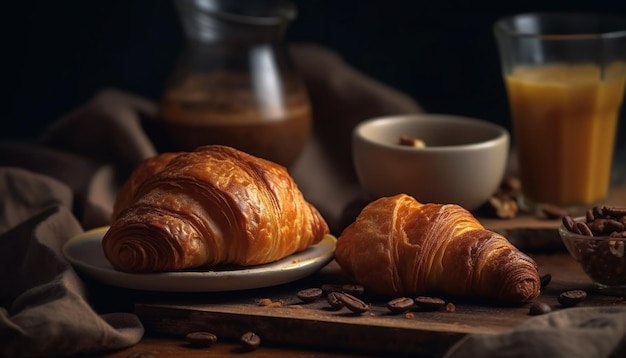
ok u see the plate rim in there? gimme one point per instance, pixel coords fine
(110, 276)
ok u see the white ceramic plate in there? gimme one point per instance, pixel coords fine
(85, 253)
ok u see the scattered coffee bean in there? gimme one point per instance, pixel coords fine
(201, 339)
(353, 289)
(430, 303)
(140, 355)
(538, 308)
(572, 298)
(333, 300)
(250, 341)
(450, 307)
(331, 287)
(310, 294)
(545, 280)
(352, 303)
(553, 211)
(400, 304)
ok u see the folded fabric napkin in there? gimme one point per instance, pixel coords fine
(43, 308)
(60, 185)
(582, 332)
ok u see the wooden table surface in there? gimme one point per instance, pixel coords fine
(525, 231)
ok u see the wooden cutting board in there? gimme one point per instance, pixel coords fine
(314, 325)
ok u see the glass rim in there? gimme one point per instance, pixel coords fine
(500, 26)
(285, 11)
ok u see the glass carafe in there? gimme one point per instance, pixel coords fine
(234, 83)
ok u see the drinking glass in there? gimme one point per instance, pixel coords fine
(564, 76)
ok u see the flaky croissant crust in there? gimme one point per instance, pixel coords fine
(399, 246)
(213, 206)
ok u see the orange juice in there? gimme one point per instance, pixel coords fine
(565, 121)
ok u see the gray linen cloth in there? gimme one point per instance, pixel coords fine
(43, 308)
(48, 196)
(583, 332)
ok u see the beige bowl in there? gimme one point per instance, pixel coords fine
(463, 162)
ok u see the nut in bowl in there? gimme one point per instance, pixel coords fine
(597, 242)
(436, 158)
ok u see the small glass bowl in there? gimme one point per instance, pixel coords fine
(602, 258)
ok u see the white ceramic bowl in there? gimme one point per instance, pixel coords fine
(463, 162)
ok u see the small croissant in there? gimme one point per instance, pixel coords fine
(212, 206)
(399, 246)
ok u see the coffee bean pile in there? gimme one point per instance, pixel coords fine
(599, 221)
(350, 296)
(337, 296)
(601, 252)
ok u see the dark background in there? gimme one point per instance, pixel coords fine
(57, 54)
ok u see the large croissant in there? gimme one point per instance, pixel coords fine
(215, 205)
(399, 246)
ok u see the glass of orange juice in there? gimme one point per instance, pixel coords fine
(565, 75)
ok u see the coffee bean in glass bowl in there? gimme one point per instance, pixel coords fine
(597, 241)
